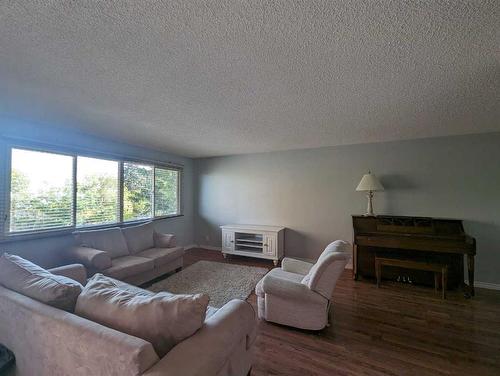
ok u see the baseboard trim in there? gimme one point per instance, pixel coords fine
(485, 285)
(210, 247)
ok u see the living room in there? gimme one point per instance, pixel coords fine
(249, 188)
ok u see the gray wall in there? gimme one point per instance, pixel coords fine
(312, 192)
(48, 251)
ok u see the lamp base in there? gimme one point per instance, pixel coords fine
(369, 208)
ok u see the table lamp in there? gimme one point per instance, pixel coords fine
(369, 183)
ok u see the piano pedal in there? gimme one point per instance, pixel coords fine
(404, 279)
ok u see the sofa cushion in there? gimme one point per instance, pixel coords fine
(164, 240)
(137, 290)
(30, 280)
(139, 237)
(110, 240)
(161, 319)
(126, 266)
(76, 272)
(134, 289)
(162, 256)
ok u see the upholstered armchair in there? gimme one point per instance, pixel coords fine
(299, 293)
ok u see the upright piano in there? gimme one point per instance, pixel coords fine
(415, 238)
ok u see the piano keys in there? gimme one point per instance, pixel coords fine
(415, 238)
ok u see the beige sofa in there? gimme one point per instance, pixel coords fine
(135, 254)
(48, 341)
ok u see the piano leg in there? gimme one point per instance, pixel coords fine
(355, 262)
(470, 270)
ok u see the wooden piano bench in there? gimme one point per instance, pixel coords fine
(438, 270)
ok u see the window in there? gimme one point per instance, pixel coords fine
(137, 191)
(41, 191)
(50, 190)
(166, 192)
(97, 192)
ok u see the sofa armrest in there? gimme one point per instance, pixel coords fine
(296, 266)
(76, 272)
(289, 289)
(90, 257)
(211, 345)
(164, 240)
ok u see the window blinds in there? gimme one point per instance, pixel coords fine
(97, 191)
(166, 192)
(49, 190)
(41, 191)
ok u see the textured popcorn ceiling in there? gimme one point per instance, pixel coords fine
(203, 78)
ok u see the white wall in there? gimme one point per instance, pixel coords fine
(312, 192)
(48, 251)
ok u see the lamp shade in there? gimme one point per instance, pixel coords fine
(369, 182)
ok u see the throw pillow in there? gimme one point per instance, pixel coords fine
(162, 319)
(140, 237)
(31, 280)
(110, 240)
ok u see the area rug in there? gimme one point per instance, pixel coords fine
(222, 282)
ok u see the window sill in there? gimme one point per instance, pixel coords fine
(24, 236)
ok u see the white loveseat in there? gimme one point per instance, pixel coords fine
(135, 254)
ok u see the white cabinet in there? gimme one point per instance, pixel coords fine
(227, 241)
(254, 241)
(270, 242)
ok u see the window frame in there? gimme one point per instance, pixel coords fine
(118, 196)
(152, 187)
(8, 172)
(6, 150)
(179, 186)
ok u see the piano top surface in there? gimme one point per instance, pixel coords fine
(387, 216)
(407, 235)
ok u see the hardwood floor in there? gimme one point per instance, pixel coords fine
(394, 330)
